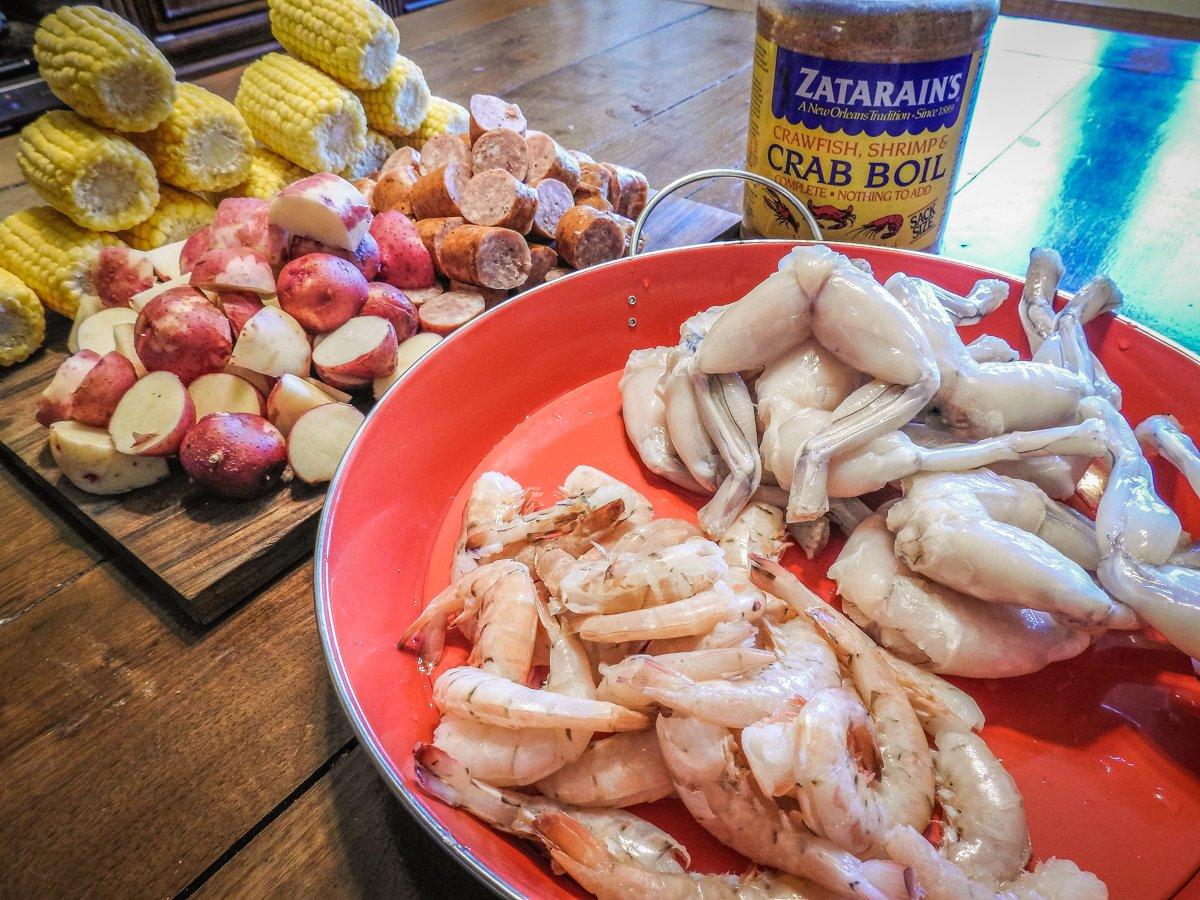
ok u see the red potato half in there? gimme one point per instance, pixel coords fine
(357, 353)
(264, 383)
(222, 392)
(321, 291)
(238, 307)
(245, 222)
(291, 398)
(153, 416)
(234, 454)
(404, 261)
(272, 343)
(182, 332)
(121, 272)
(365, 258)
(166, 259)
(88, 458)
(406, 354)
(324, 207)
(194, 248)
(338, 396)
(392, 304)
(54, 404)
(89, 305)
(102, 389)
(126, 345)
(319, 440)
(233, 269)
(96, 331)
(138, 301)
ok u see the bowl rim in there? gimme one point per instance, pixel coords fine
(362, 730)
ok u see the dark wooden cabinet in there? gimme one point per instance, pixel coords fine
(198, 36)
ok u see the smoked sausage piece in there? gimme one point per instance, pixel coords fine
(553, 199)
(548, 159)
(631, 191)
(543, 260)
(394, 189)
(451, 310)
(491, 257)
(418, 296)
(491, 296)
(600, 179)
(441, 150)
(590, 196)
(501, 149)
(434, 231)
(405, 156)
(440, 192)
(489, 113)
(496, 198)
(586, 237)
(555, 273)
(580, 156)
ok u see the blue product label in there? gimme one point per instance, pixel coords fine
(869, 98)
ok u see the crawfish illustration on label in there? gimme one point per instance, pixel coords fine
(872, 145)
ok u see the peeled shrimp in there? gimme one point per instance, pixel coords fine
(819, 293)
(715, 784)
(932, 625)
(695, 615)
(494, 499)
(645, 417)
(698, 665)
(470, 693)
(621, 770)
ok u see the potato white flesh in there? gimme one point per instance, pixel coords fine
(324, 207)
(123, 338)
(165, 259)
(89, 459)
(319, 440)
(89, 305)
(339, 396)
(407, 354)
(153, 416)
(291, 398)
(263, 382)
(139, 300)
(272, 343)
(96, 331)
(221, 392)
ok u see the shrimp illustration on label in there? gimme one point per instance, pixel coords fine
(882, 228)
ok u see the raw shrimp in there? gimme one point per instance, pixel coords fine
(500, 598)
(978, 400)
(926, 623)
(933, 877)
(624, 835)
(715, 784)
(759, 528)
(1003, 541)
(819, 294)
(984, 829)
(645, 417)
(695, 615)
(727, 412)
(698, 665)
(739, 633)
(621, 770)
(473, 694)
(645, 538)
(939, 705)
(984, 298)
(622, 582)
(506, 757)
(494, 499)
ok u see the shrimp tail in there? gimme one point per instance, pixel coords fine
(656, 680)
(442, 776)
(572, 846)
(439, 774)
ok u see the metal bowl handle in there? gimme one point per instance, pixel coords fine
(640, 224)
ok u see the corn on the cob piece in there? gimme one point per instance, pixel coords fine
(400, 104)
(177, 216)
(304, 116)
(22, 320)
(104, 68)
(444, 117)
(52, 255)
(368, 163)
(353, 40)
(269, 174)
(203, 145)
(94, 177)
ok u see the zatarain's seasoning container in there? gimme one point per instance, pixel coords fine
(860, 108)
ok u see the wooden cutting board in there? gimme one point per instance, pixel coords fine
(205, 552)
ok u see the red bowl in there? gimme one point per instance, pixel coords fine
(1105, 747)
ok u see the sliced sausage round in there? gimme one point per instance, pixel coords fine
(487, 256)
(418, 296)
(441, 150)
(553, 199)
(632, 190)
(543, 260)
(587, 237)
(496, 198)
(501, 149)
(489, 113)
(449, 311)
(404, 156)
(556, 273)
(580, 156)
(595, 176)
(440, 192)
(491, 296)
(394, 189)
(434, 231)
(590, 196)
(548, 159)
(626, 226)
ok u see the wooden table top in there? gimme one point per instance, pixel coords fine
(141, 755)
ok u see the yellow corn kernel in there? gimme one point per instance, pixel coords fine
(353, 40)
(203, 145)
(400, 104)
(444, 117)
(94, 177)
(304, 116)
(368, 163)
(22, 320)
(52, 255)
(269, 174)
(104, 68)
(177, 216)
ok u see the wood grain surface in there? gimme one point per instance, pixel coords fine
(142, 755)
